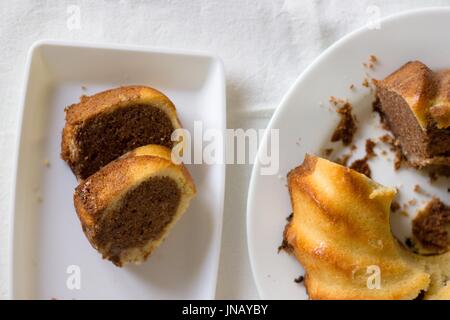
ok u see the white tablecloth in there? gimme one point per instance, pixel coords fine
(265, 45)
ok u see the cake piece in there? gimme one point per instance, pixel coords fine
(431, 227)
(108, 124)
(414, 103)
(127, 208)
(340, 228)
(340, 233)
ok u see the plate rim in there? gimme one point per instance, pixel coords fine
(251, 197)
(215, 59)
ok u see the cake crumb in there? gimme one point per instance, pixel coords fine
(421, 295)
(343, 160)
(337, 101)
(395, 147)
(404, 213)
(84, 88)
(370, 146)
(409, 243)
(352, 87)
(365, 83)
(362, 166)
(46, 163)
(398, 160)
(376, 108)
(395, 206)
(433, 176)
(373, 59)
(431, 224)
(418, 189)
(299, 279)
(285, 246)
(347, 127)
(387, 138)
(328, 152)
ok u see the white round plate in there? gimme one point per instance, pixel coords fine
(306, 121)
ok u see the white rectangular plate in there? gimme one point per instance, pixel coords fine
(46, 235)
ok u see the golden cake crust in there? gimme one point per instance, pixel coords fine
(340, 233)
(105, 188)
(90, 106)
(426, 92)
(440, 107)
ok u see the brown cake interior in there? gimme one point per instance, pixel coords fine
(417, 144)
(439, 141)
(431, 226)
(108, 136)
(141, 216)
(402, 122)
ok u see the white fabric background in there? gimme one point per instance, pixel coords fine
(265, 45)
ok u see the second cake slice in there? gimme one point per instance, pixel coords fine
(127, 208)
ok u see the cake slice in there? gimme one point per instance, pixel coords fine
(414, 103)
(106, 125)
(127, 208)
(341, 234)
